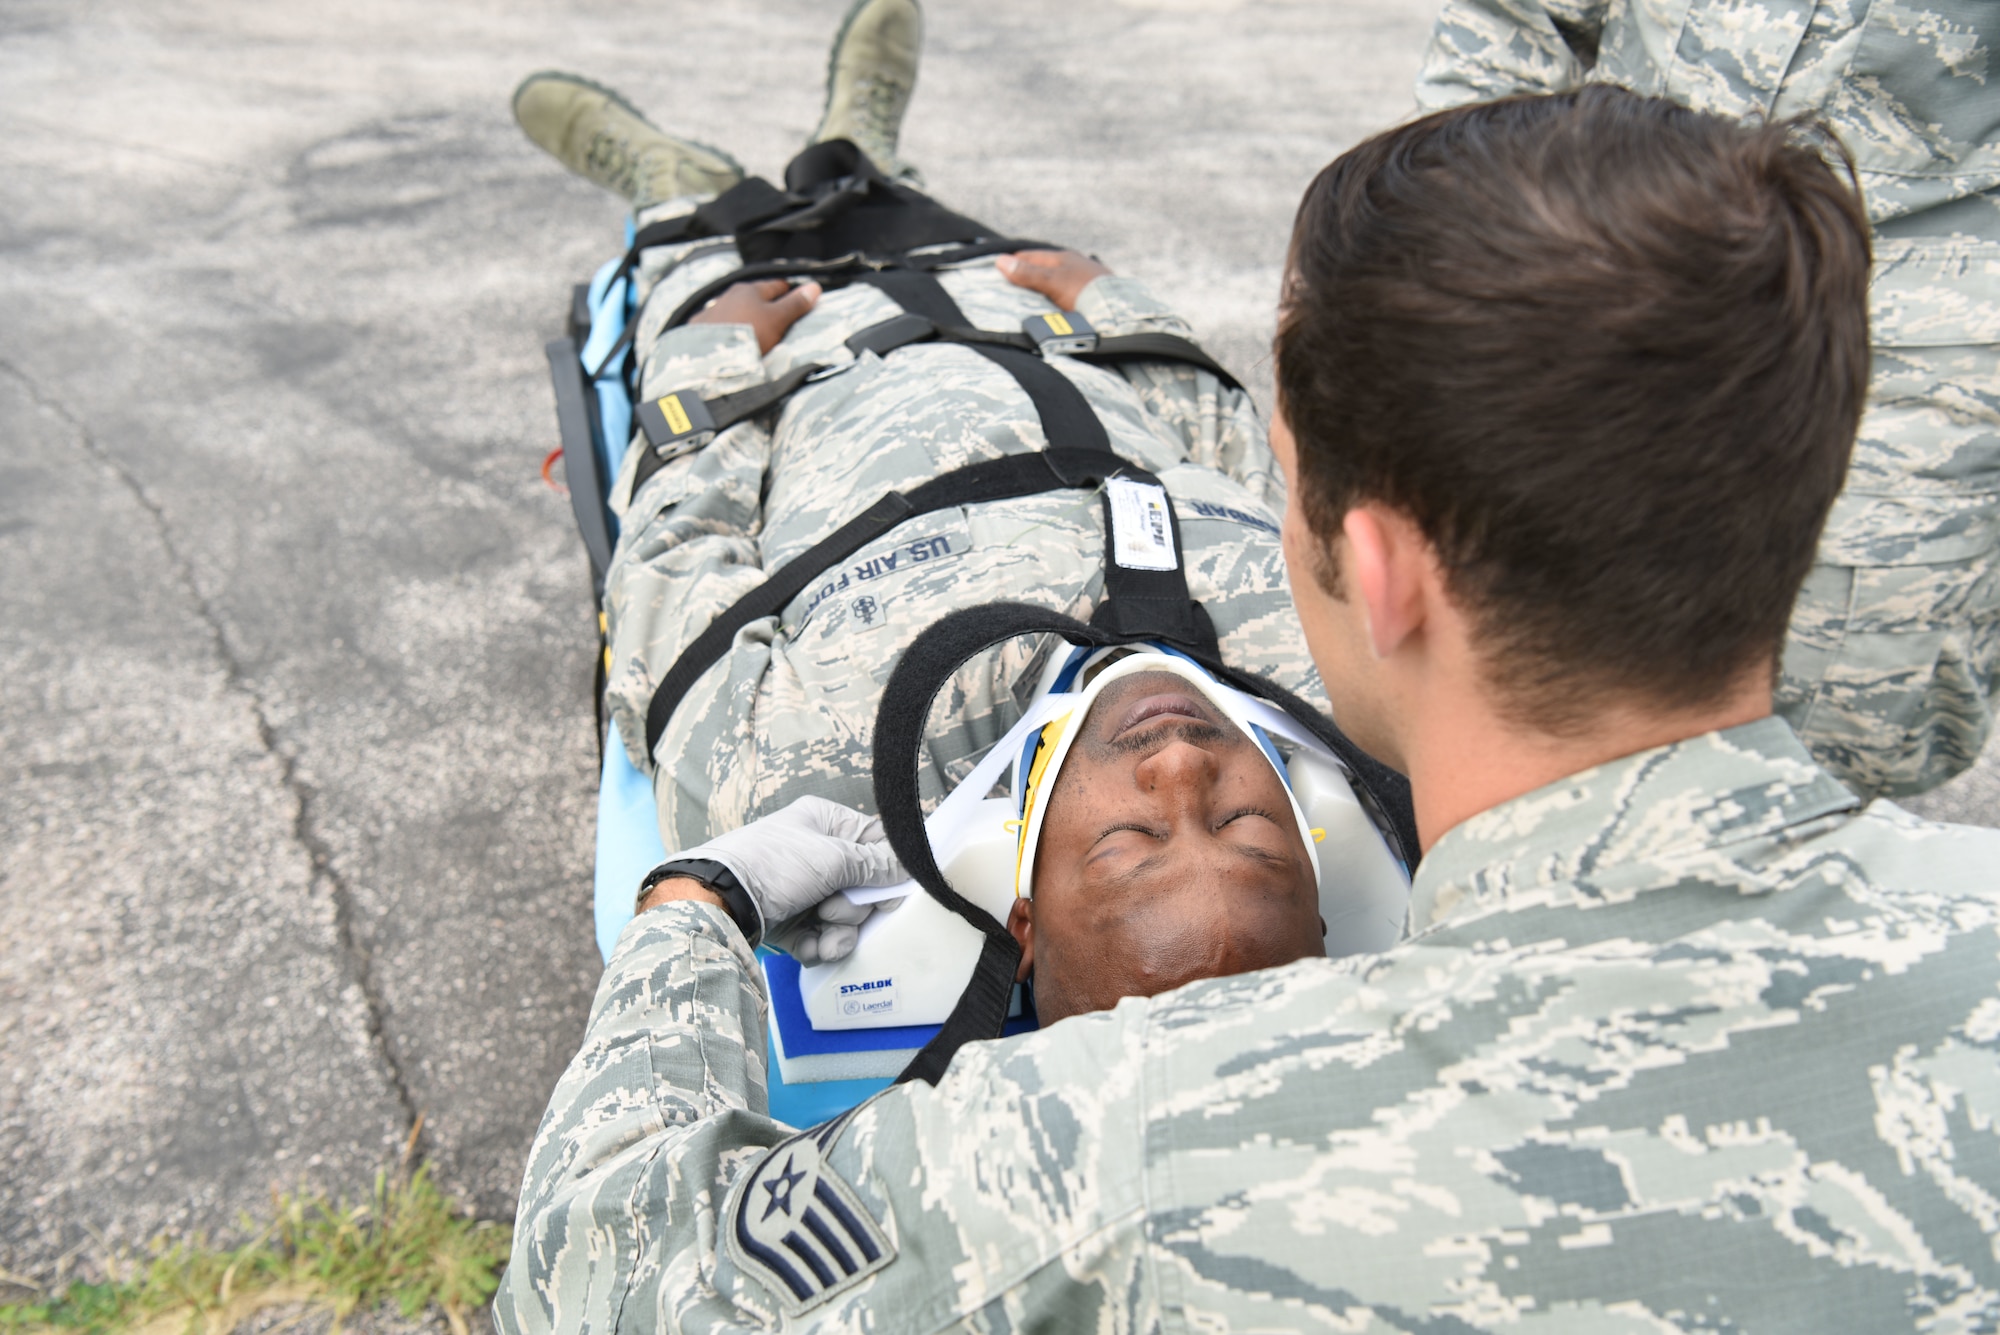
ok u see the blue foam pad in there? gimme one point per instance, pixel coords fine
(628, 840)
(811, 1104)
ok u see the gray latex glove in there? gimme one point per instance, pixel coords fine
(792, 860)
(829, 932)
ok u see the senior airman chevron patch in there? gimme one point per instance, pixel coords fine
(802, 1231)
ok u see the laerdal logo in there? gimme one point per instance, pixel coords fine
(877, 996)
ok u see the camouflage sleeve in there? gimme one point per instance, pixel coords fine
(1217, 426)
(1482, 49)
(1890, 663)
(664, 1100)
(687, 545)
(658, 1196)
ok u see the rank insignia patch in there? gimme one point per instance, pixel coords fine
(802, 1231)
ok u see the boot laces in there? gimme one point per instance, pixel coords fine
(877, 104)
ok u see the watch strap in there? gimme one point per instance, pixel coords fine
(736, 901)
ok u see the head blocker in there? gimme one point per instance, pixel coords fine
(1369, 817)
(1049, 746)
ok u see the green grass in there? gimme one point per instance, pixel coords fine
(407, 1245)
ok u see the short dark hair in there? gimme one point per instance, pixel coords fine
(1609, 354)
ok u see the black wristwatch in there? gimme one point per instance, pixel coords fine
(735, 899)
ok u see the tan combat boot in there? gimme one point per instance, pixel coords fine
(869, 78)
(601, 137)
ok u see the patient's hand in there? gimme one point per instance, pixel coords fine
(1059, 275)
(770, 308)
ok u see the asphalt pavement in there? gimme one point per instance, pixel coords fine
(296, 757)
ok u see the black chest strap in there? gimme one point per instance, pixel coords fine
(681, 421)
(938, 652)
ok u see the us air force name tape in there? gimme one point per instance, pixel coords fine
(674, 418)
(1060, 333)
(801, 1231)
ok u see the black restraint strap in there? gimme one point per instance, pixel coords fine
(724, 412)
(841, 270)
(1067, 417)
(1158, 347)
(854, 207)
(999, 479)
(904, 330)
(925, 666)
(918, 293)
(1152, 604)
(834, 201)
(831, 274)
(900, 331)
(666, 443)
(1139, 603)
(743, 202)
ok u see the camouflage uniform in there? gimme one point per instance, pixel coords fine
(1688, 1041)
(1896, 638)
(791, 709)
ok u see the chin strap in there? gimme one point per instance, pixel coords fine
(926, 665)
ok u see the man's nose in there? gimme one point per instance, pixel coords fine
(1181, 773)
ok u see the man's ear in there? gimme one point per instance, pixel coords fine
(1021, 926)
(1389, 564)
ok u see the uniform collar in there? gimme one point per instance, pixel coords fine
(1669, 805)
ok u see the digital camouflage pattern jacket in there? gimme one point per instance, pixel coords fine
(1688, 1041)
(1889, 673)
(791, 709)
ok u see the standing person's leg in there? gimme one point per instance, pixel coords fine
(1889, 666)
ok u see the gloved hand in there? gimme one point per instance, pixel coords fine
(829, 932)
(792, 860)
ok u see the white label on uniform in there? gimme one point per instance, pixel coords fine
(1142, 527)
(873, 996)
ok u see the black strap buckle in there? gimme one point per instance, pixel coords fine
(674, 419)
(1060, 333)
(896, 332)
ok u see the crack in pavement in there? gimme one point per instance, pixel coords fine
(357, 957)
